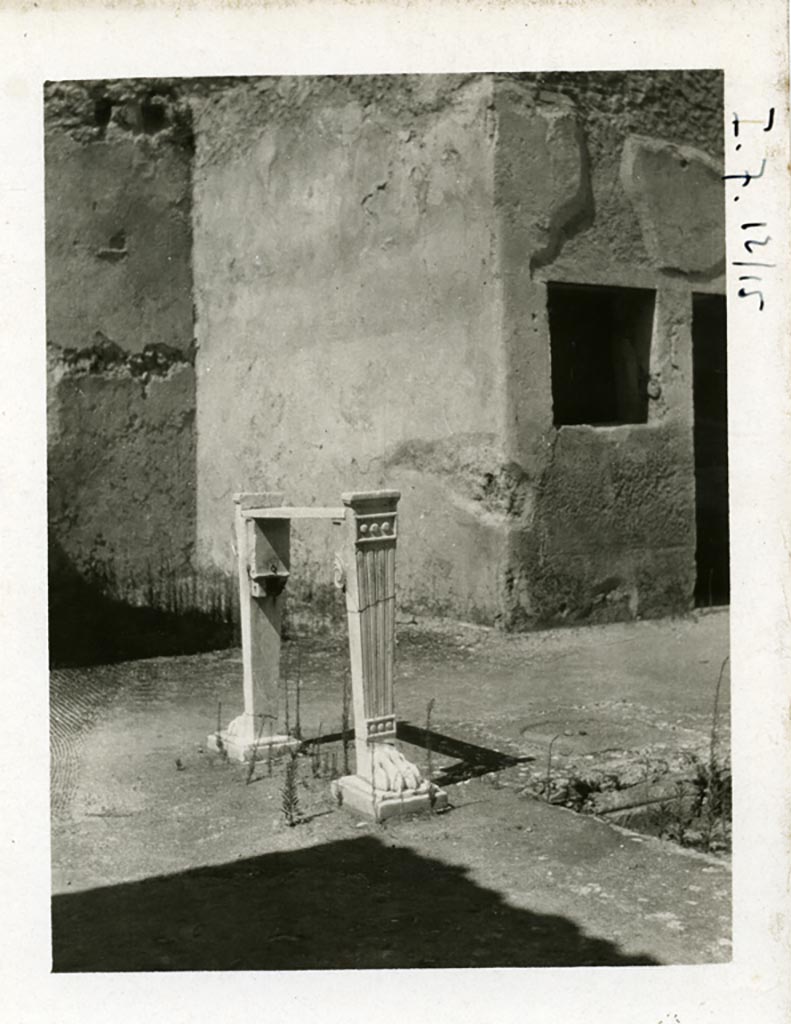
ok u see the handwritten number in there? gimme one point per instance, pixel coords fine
(748, 245)
(744, 294)
(767, 128)
(747, 177)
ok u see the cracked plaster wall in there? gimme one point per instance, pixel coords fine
(121, 389)
(348, 317)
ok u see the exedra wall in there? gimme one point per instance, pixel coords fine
(477, 289)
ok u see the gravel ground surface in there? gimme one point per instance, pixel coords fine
(166, 857)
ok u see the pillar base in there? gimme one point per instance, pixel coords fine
(360, 796)
(236, 748)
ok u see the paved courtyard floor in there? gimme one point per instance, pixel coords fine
(166, 857)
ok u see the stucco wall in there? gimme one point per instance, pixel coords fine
(372, 261)
(348, 319)
(121, 392)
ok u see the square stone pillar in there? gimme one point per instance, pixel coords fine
(263, 551)
(385, 782)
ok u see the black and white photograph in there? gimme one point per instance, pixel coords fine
(470, 331)
(395, 488)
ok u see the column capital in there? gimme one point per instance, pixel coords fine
(364, 501)
(260, 499)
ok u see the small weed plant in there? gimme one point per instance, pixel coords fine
(298, 695)
(429, 755)
(290, 795)
(218, 733)
(315, 754)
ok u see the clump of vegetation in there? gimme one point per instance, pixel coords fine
(673, 819)
(710, 826)
(580, 789)
(714, 784)
(707, 823)
(695, 813)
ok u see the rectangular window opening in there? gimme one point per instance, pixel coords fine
(600, 339)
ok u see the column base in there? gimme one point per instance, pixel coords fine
(236, 748)
(360, 796)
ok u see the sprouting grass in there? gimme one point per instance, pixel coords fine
(427, 740)
(254, 758)
(298, 695)
(429, 754)
(548, 781)
(218, 734)
(315, 754)
(345, 716)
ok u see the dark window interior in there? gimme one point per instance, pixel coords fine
(601, 347)
(710, 396)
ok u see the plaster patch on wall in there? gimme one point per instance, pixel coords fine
(153, 109)
(105, 357)
(479, 480)
(542, 176)
(571, 207)
(248, 108)
(679, 197)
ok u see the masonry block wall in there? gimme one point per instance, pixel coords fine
(610, 181)
(387, 280)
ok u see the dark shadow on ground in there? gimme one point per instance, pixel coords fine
(354, 903)
(88, 627)
(473, 760)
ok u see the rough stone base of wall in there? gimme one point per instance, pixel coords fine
(89, 624)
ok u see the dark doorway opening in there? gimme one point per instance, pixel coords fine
(600, 343)
(710, 396)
